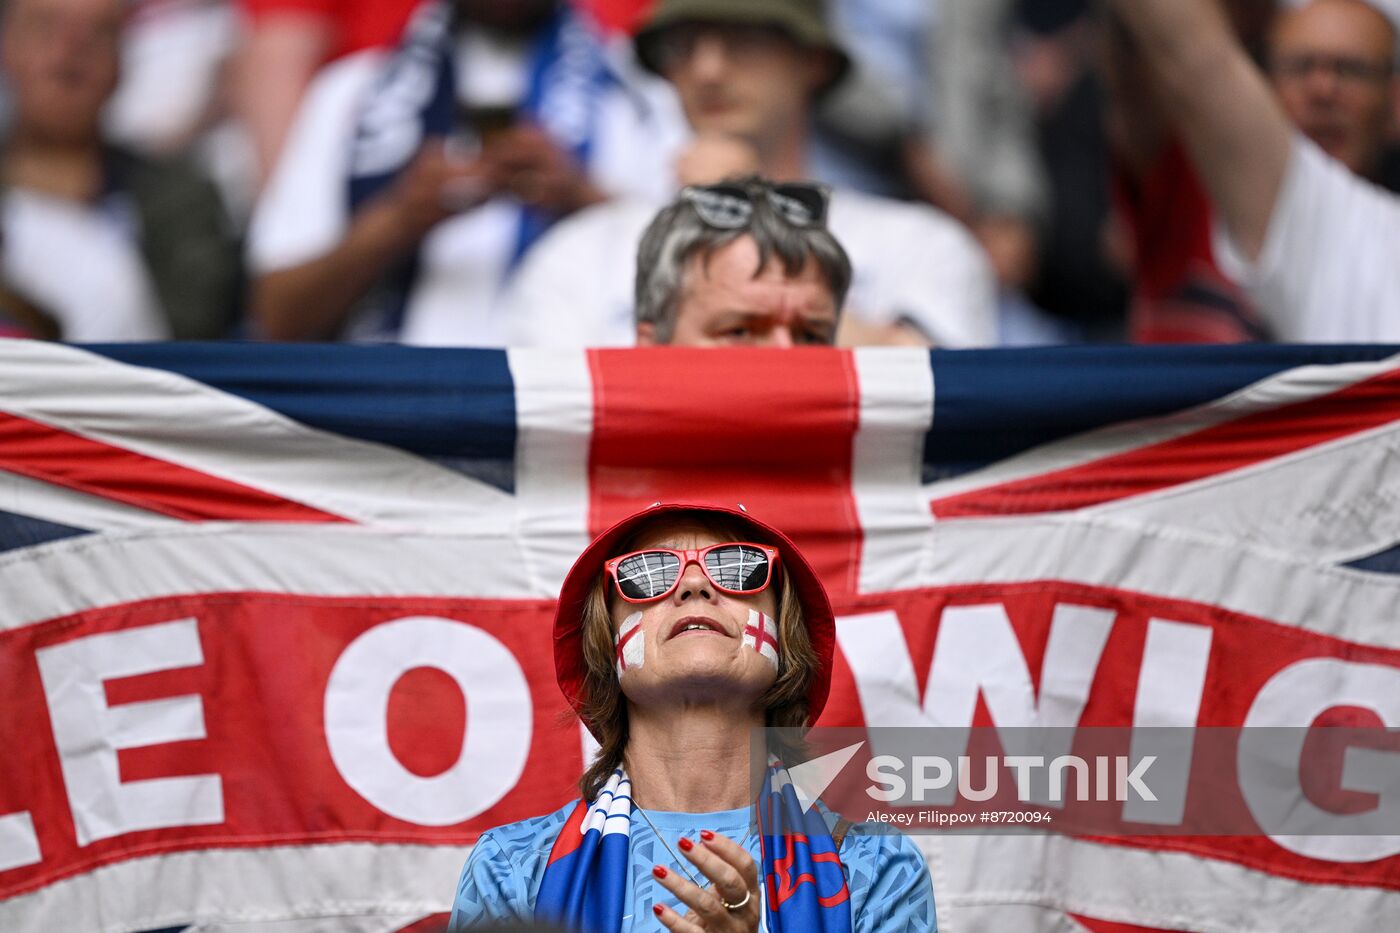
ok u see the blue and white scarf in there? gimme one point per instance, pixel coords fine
(804, 886)
(414, 100)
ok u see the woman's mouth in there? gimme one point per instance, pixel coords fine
(692, 624)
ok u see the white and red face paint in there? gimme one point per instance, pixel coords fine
(761, 634)
(631, 643)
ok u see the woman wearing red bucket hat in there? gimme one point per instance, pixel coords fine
(679, 631)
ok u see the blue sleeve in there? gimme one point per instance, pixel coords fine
(895, 894)
(491, 888)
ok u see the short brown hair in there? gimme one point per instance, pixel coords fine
(604, 707)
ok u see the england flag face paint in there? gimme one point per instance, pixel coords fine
(631, 643)
(761, 634)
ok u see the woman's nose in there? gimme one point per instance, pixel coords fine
(694, 583)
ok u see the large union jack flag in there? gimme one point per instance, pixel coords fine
(274, 642)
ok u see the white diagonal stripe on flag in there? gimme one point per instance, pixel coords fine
(74, 574)
(38, 499)
(1333, 502)
(233, 439)
(1335, 601)
(1292, 386)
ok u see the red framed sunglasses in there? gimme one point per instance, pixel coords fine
(739, 568)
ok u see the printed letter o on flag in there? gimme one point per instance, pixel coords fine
(498, 703)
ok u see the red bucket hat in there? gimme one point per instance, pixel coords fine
(569, 666)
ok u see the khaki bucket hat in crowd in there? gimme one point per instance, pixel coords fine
(804, 21)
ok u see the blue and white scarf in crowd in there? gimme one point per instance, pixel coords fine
(414, 100)
(804, 887)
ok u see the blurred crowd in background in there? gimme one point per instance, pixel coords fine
(478, 173)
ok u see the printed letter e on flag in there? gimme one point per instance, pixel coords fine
(89, 733)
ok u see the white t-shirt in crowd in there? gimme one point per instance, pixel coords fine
(910, 262)
(172, 52)
(81, 263)
(1329, 271)
(305, 212)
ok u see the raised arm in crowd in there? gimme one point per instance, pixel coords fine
(1313, 242)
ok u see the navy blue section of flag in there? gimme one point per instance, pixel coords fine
(17, 531)
(1387, 561)
(992, 404)
(456, 406)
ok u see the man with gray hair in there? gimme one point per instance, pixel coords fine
(741, 263)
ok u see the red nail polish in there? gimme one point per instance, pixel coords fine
(660, 871)
(657, 909)
(685, 844)
(706, 835)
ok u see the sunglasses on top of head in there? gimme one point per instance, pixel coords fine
(737, 568)
(731, 206)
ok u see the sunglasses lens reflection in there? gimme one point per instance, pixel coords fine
(724, 210)
(737, 567)
(794, 210)
(647, 575)
(734, 568)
